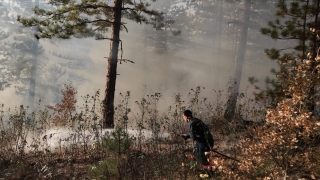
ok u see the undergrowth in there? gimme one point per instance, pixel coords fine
(63, 141)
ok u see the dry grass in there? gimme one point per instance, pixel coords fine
(30, 149)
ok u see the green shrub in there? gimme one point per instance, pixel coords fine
(118, 141)
(106, 169)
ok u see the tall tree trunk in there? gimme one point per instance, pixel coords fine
(231, 105)
(144, 57)
(220, 28)
(236, 40)
(304, 29)
(163, 58)
(314, 38)
(33, 73)
(312, 104)
(217, 55)
(33, 76)
(112, 66)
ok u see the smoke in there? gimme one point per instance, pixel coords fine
(183, 63)
(57, 139)
(9, 98)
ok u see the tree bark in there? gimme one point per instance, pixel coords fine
(312, 104)
(112, 66)
(231, 104)
(33, 76)
(33, 69)
(217, 51)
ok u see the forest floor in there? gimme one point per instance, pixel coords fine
(57, 166)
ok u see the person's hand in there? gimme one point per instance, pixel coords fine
(184, 136)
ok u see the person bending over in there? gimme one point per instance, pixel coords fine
(201, 135)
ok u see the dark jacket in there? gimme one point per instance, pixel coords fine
(199, 132)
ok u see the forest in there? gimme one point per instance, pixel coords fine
(96, 89)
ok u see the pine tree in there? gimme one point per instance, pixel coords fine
(229, 112)
(18, 52)
(297, 26)
(92, 18)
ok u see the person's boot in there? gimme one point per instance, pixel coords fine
(209, 173)
(208, 170)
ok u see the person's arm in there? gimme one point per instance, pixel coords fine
(190, 135)
(192, 132)
(185, 136)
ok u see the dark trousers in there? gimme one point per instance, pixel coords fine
(199, 149)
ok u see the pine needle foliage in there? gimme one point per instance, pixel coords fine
(296, 29)
(69, 18)
(87, 18)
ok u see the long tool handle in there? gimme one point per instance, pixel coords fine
(225, 155)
